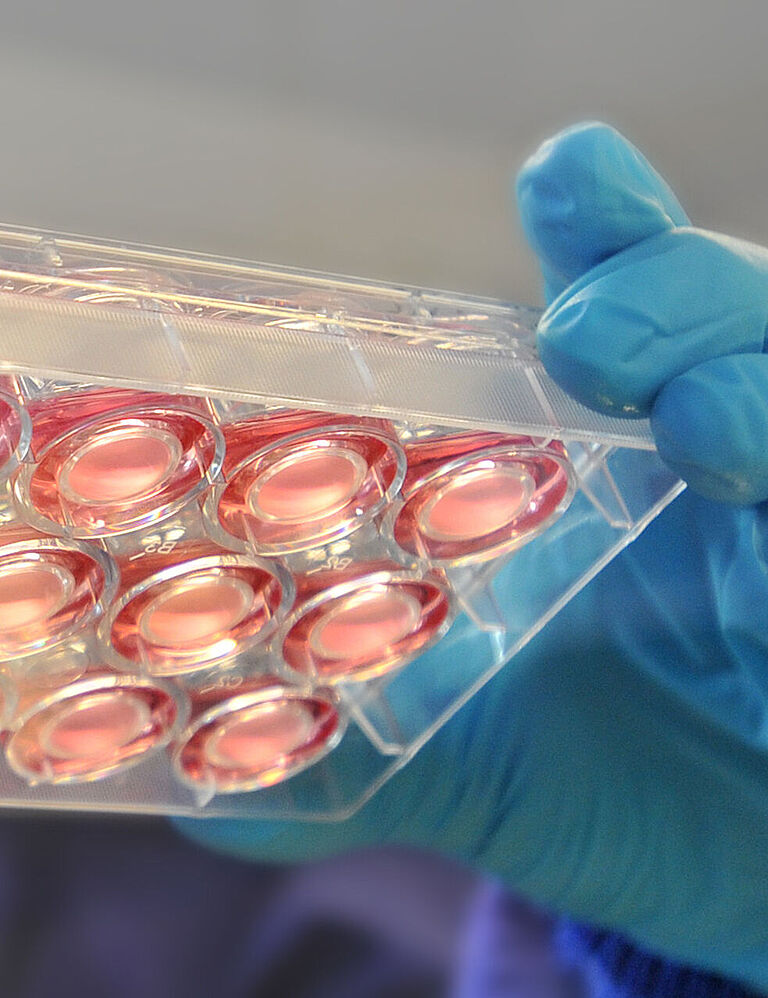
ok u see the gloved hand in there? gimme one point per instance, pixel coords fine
(618, 769)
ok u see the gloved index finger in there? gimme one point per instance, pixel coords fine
(586, 194)
(651, 313)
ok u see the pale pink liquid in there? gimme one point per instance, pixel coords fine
(102, 469)
(475, 496)
(45, 593)
(311, 484)
(284, 496)
(97, 726)
(197, 614)
(255, 744)
(205, 614)
(31, 593)
(374, 628)
(120, 466)
(263, 735)
(366, 624)
(477, 503)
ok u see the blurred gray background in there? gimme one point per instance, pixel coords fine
(367, 138)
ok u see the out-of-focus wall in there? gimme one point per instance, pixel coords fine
(368, 138)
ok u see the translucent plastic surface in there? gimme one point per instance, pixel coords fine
(262, 531)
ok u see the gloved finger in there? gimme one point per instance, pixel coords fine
(586, 194)
(626, 328)
(711, 428)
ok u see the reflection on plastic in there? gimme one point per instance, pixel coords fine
(299, 480)
(257, 495)
(364, 621)
(93, 728)
(256, 738)
(472, 497)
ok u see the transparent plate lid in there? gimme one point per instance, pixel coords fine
(263, 531)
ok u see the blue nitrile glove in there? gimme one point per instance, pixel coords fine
(617, 770)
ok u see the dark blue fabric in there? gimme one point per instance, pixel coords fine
(637, 973)
(103, 909)
(120, 909)
(513, 950)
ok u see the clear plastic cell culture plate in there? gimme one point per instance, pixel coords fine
(263, 531)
